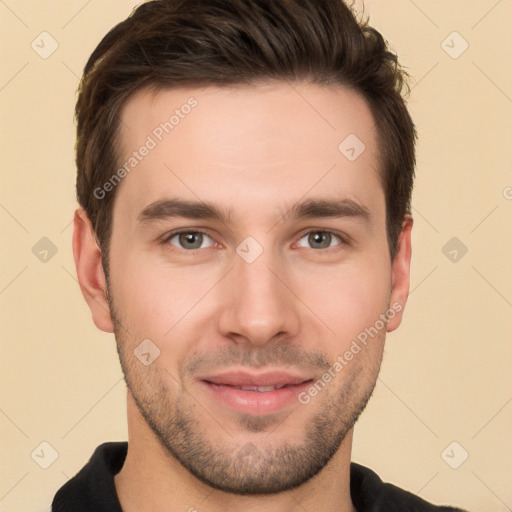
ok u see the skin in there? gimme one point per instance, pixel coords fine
(256, 151)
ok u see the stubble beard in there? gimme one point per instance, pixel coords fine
(240, 466)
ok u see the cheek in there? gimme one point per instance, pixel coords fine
(153, 305)
(161, 302)
(347, 298)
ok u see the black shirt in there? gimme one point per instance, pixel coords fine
(92, 489)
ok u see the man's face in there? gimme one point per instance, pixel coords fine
(268, 287)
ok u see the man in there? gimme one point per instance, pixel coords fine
(244, 174)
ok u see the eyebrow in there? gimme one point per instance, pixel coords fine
(312, 208)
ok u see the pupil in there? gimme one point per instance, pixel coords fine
(189, 239)
(317, 237)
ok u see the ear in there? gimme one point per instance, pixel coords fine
(89, 270)
(400, 274)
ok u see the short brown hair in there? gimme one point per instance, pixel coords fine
(168, 43)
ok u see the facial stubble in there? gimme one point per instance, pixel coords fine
(252, 464)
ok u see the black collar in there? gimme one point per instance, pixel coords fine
(92, 489)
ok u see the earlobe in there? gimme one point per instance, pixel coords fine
(89, 271)
(401, 274)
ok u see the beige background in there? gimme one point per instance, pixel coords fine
(446, 374)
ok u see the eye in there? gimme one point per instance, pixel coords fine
(320, 239)
(188, 240)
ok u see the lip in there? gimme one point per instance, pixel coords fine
(222, 388)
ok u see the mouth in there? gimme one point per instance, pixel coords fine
(261, 389)
(256, 394)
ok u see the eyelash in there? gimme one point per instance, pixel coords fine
(172, 234)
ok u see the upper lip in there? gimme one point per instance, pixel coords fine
(268, 378)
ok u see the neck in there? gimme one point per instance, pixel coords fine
(151, 479)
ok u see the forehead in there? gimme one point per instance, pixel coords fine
(247, 145)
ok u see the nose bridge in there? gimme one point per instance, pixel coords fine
(259, 306)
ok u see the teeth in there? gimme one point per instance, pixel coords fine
(259, 388)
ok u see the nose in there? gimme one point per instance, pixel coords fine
(259, 303)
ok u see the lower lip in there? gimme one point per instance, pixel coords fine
(256, 402)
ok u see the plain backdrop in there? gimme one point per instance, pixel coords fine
(439, 422)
